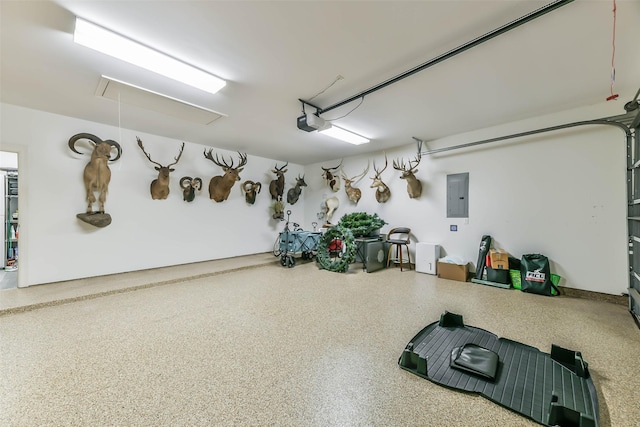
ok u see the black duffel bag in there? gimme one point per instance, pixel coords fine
(535, 275)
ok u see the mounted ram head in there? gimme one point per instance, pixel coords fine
(189, 186)
(97, 173)
(251, 190)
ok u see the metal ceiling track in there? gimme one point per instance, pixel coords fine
(450, 54)
(627, 122)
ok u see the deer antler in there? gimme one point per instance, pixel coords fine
(277, 169)
(378, 172)
(223, 164)
(176, 158)
(243, 160)
(216, 161)
(364, 172)
(147, 154)
(356, 178)
(402, 167)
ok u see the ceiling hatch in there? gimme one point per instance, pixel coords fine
(126, 93)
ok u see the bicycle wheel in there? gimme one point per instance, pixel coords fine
(276, 247)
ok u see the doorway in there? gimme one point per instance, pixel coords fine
(9, 218)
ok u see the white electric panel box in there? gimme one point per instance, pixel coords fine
(427, 255)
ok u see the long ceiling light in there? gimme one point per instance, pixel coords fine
(105, 41)
(343, 134)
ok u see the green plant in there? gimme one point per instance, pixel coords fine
(361, 223)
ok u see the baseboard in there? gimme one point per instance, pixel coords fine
(597, 296)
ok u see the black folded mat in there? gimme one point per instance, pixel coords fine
(476, 360)
(552, 389)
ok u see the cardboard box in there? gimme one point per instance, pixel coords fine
(499, 259)
(453, 271)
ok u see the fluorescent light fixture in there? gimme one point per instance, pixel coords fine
(343, 134)
(105, 41)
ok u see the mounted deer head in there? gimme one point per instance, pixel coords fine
(353, 193)
(333, 181)
(220, 185)
(294, 193)
(189, 186)
(251, 190)
(160, 185)
(414, 186)
(97, 173)
(382, 191)
(276, 187)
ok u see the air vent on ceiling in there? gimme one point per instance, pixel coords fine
(133, 95)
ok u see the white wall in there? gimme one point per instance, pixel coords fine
(8, 160)
(575, 214)
(561, 194)
(145, 233)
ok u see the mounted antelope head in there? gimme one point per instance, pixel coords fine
(97, 173)
(414, 186)
(382, 191)
(353, 193)
(160, 185)
(189, 186)
(220, 185)
(251, 190)
(294, 193)
(333, 181)
(276, 187)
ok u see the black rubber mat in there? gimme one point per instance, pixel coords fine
(552, 389)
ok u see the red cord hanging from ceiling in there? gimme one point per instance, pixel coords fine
(613, 96)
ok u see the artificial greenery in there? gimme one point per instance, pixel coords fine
(361, 223)
(341, 263)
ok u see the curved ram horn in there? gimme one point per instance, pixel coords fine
(198, 182)
(183, 180)
(76, 137)
(112, 143)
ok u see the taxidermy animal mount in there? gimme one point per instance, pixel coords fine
(220, 185)
(97, 173)
(160, 186)
(382, 191)
(294, 193)
(414, 186)
(353, 193)
(332, 180)
(276, 187)
(332, 204)
(189, 186)
(251, 190)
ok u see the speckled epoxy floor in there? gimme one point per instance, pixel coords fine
(286, 347)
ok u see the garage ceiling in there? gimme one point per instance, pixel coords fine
(272, 53)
